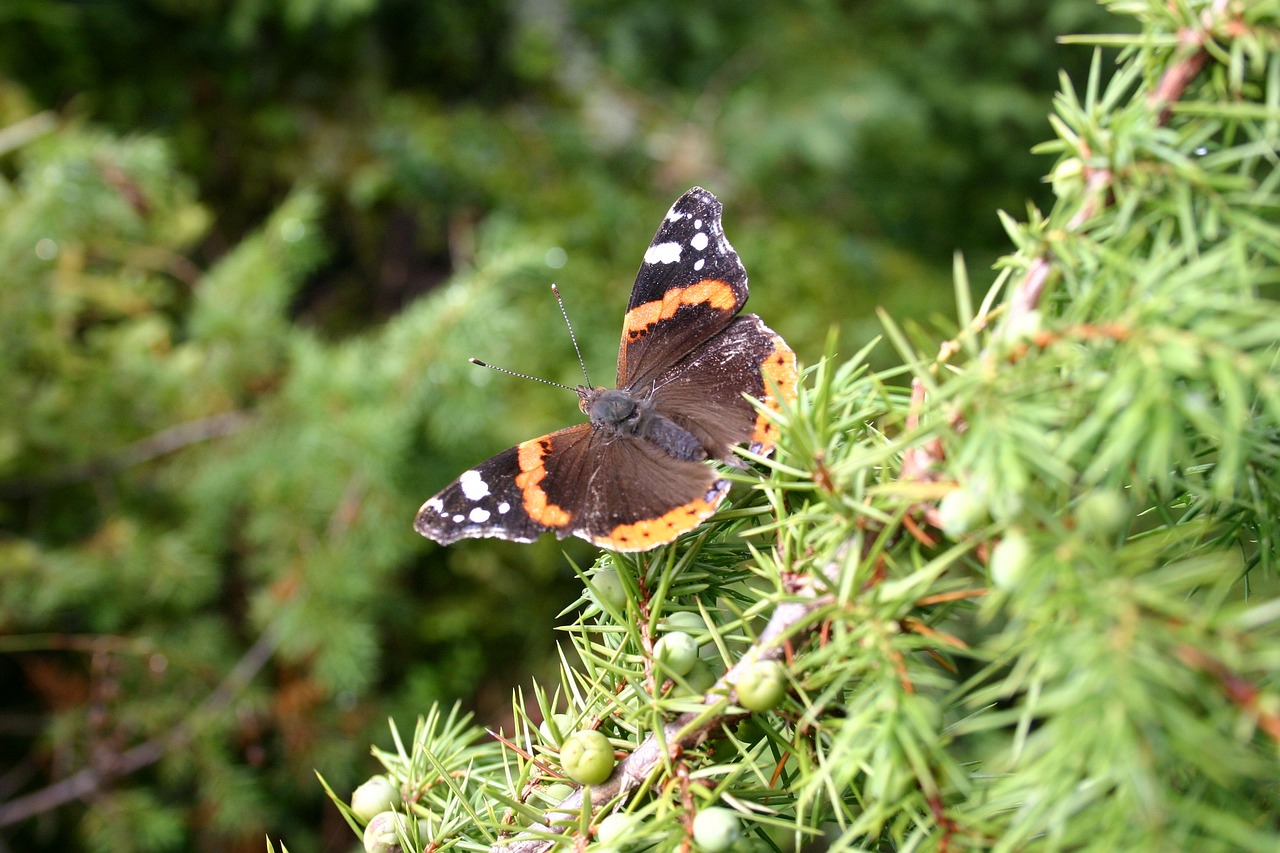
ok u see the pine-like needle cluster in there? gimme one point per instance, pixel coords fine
(1017, 594)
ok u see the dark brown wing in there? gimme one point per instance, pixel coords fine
(484, 502)
(704, 392)
(690, 286)
(618, 492)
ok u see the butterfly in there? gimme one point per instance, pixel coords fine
(636, 474)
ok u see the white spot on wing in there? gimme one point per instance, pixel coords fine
(699, 264)
(699, 241)
(479, 515)
(435, 505)
(473, 485)
(662, 253)
(697, 223)
(457, 519)
(503, 508)
(674, 215)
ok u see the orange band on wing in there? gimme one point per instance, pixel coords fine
(651, 532)
(717, 294)
(529, 480)
(779, 371)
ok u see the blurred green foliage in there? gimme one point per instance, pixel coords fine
(247, 247)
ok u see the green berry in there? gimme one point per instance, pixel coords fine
(960, 511)
(676, 651)
(684, 620)
(556, 793)
(761, 686)
(613, 828)
(785, 838)
(381, 836)
(749, 731)
(1009, 559)
(715, 829)
(376, 795)
(1102, 513)
(1067, 177)
(609, 589)
(587, 757)
(700, 677)
(753, 844)
(554, 728)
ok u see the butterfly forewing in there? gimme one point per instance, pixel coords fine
(484, 501)
(690, 285)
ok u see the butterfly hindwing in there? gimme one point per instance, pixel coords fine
(636, 497)
(707, 392)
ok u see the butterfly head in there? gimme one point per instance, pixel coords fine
(612, 409)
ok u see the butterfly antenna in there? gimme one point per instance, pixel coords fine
(520, 375)
(572, 336)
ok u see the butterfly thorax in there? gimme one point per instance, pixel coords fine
(619, 412)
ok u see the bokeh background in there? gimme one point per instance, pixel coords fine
(246, 247)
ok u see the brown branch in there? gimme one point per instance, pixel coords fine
(1178, 76)
(88, 781)
(160, 444)
(920, 462)
(30, 128)
(1239, 690)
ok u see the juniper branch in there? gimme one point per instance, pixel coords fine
(1027, 293)
(788, 624)
(1171, 87)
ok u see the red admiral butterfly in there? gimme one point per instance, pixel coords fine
(635, 476)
